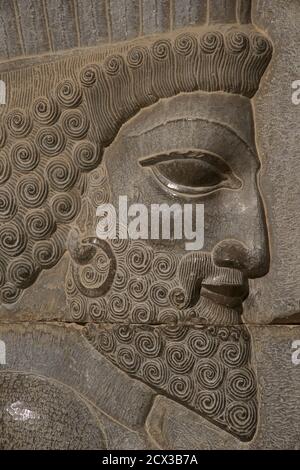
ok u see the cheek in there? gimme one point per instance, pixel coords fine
(231, 214)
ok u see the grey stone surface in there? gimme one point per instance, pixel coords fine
(277, 294)
(141, 343)
(278, 380)
(62, 359)
(35, 412)
(92, 12)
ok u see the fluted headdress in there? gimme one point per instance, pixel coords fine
(226, 54)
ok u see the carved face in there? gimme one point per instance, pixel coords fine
(169, 317)
(199, 148)
(193, 148)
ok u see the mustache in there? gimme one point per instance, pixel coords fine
(198, 271)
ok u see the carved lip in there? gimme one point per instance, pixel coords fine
(229, 295)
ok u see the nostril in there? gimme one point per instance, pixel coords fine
(231, 254)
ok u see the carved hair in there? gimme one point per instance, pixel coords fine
(49, 147)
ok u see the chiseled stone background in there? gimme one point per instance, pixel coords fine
(130, 414)
(277, 294)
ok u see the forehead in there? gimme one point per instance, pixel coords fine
(233, 112)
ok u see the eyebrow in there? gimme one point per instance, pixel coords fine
(219, 124)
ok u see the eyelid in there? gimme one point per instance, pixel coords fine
(215, 162)
(209, 158)
(173, 155)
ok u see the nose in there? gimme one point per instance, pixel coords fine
(247, 249)
(253, 262)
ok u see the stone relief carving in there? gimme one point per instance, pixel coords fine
(163, 119)
(61, 126)
(46, 426)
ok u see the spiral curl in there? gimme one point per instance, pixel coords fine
(148, 343)
(223, 333)
(136, 57)
(177, 297)
(235, 333)
(18, 123)
(88, 75)
(159, 294)
(155, 372)
(101, 263)
(65, 207)
(32, 191)
(241, 384)
(236, 42)
(164, 266)
(119, 244)
(13, 239)
(213, 330)
(168, 316)
(234, 354)
(202, 343)
(181, 388)
(87, 156)
(185, 44)
(22, 272)
(68, 93)
(179, 358)
(46, 111)
(40, 224)
(50, 141)
(241, 418)
(211, 403)
(210, 42)
(143, 313)
(89, 276)
(128, 359)
(71, 288)
(139, 258)
(138, 289)
(78, 308)
(10, 293)
(25, 156)
(161, 50)
(98, 309)
(113, 65)
(119, 305)
(98, 177)
(210, 373)
(75, 123)
(100, 196)
(47, 253)
(124, 333)
(260, 44)
(61, 174)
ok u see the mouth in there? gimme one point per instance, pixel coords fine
(200, 277)
(231, 296)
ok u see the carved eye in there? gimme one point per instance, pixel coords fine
(192, 172)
